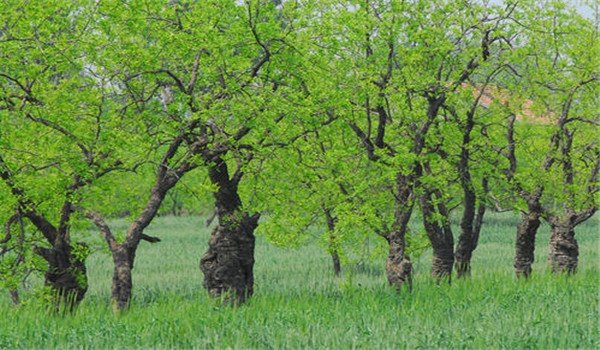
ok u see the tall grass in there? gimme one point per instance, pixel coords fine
(299, 304)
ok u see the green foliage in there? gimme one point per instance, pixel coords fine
(93, 95)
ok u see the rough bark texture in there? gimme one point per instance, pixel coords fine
(470, 228)
(229, 262)
(66, 275)
(121, 281)
(464, 251)
(441, 264)
(564, 250)
(525, 244)
(466, 244)
(123, 254)
(441, 238)
(398, 266)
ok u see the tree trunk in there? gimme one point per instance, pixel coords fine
(229, 262)
(441, 238)
(564, 250)
(465, 246)
(466, 243)
(122, 281)
(525, 244)
(337, 268)
(398, 266)
(441, 264)
(14, 296)
(468, 239)
(66, 275)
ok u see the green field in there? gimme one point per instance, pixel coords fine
(298, 304)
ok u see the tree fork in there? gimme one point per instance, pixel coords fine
(228, 264)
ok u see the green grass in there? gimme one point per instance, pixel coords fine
(298, 304)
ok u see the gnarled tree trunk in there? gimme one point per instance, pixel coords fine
(564, 250)
(66, 274)
(228, 264)
(441, 238)
(442, 261)
(470, 228)
(526, 231)
(398, 266)
(525, 243)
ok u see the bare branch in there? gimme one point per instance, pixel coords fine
(102, 226)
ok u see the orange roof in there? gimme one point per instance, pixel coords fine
(524, 112)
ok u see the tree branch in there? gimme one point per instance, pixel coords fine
(102, 226)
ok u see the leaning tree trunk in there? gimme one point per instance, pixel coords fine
(525, 243)
(470, 228)
(66, 275)
(564, 250)
(229, 262)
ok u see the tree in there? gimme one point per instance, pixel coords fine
(51, 117)
(558, 73)
(210, 80)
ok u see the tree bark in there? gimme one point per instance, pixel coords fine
(335, 257)
(398, 266)
(466, 244)
(66, 274)
(525, 243)
(122, 280)
(441, 238)
(337, 267)
(228, 264)
(470, 228)
(564, 250)
(441, 264)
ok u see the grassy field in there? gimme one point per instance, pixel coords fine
(298, 304)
